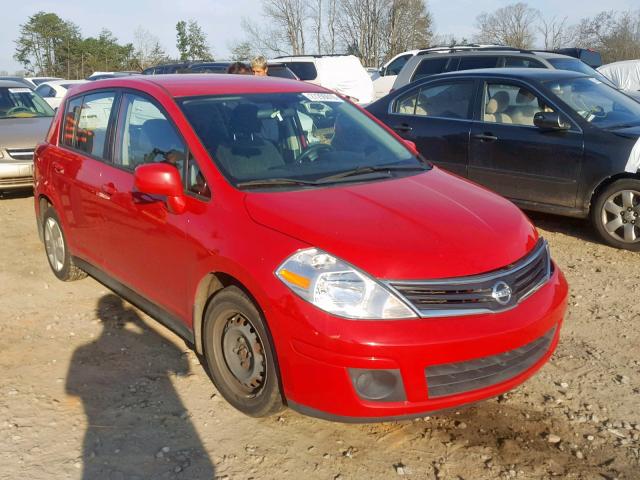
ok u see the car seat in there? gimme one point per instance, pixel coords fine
(247, 154)
(525, 108)
(494, 110)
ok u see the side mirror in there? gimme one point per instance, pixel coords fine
(161, 179)
(550, 121)
(382, 71)
(412, 146)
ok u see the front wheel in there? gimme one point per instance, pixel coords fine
(239, 354)
(616, 214)
(55, 246)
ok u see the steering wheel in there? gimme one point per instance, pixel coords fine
(598, 111)
(18, 109)
(312, 152)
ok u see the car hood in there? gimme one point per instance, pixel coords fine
(630, 132)
(23, 132)
(431, 225)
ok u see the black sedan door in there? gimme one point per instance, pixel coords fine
(511, 156)
(437, 117)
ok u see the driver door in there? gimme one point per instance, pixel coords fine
(518, 160)
(145, 245)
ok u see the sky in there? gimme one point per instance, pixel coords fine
(220, 19)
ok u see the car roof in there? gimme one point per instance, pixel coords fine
(540, 74)
(11, 84)
(195, 84)
(63, 82)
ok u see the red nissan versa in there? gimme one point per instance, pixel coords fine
(312, 257)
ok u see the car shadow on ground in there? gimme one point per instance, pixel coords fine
(137, 426)
(19, 193)
(575, 227)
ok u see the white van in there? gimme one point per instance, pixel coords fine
(343, 74)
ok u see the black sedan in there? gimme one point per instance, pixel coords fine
(550, 140)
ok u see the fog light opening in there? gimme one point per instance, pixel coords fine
(378, 385)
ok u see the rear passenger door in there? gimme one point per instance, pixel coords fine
(511, 156)
(145, 247)
(77, 168)
(437, 117)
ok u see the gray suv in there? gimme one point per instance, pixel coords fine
(446, 59)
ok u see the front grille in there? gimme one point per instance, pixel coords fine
(491, 292)
(20, 153)
(453, 378)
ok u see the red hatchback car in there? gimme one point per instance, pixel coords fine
(312, 257)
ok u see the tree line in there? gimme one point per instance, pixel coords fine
(374, 30)
(52, 46)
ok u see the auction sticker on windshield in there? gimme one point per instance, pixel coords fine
(20, 90)
(322, 97)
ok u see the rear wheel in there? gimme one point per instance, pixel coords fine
(616, 214)
(239, 354)
(55, 246)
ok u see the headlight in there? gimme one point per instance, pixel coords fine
(336, 287)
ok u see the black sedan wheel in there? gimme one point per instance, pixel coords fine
(616, 214)
(239, 354)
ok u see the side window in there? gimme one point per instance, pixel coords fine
(303, 70)
(477, 61)
(395, 66)
(444, 100)
(522, 62)
(91, 132)
(145, 135)
(429, 66)
(71, 116)
(45, 91)
(196, 182)
(511, 104)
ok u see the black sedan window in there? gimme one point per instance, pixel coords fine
(444, 100)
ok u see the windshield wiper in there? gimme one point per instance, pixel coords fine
(374, 169)
(273, 182)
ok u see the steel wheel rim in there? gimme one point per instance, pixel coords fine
(54, 244)
(620, 216)
(243, 353)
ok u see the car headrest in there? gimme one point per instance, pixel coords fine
(244, 119)
(161, 134)
(498, 103)
(524, 97)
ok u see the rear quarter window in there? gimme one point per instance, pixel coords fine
(303, 70)
(480, 61)
(430, 66)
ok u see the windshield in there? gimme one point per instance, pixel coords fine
(575, 65)
(295, 137)
(22, 102)
(596, 102)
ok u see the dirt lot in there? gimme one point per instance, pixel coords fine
(92, 388)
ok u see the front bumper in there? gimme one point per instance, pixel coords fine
(317, 352)
(14, 175)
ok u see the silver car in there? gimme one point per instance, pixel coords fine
(24, 121)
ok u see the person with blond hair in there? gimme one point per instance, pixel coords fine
(259, 66)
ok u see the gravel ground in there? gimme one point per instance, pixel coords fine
(92, 388)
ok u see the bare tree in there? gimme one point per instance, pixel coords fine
(361, 26)
(331, 40)
(315, 10)
(513, 25)
(408, 26)
(286, 31)
(615, 34)
(555, 32)
(148, 50)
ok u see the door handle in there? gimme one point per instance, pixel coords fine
(108, 189)
(403, 128)
(485, 137)
(58, 168)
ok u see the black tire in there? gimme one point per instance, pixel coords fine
(239, 354)
(618, 204)
(57, 249)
